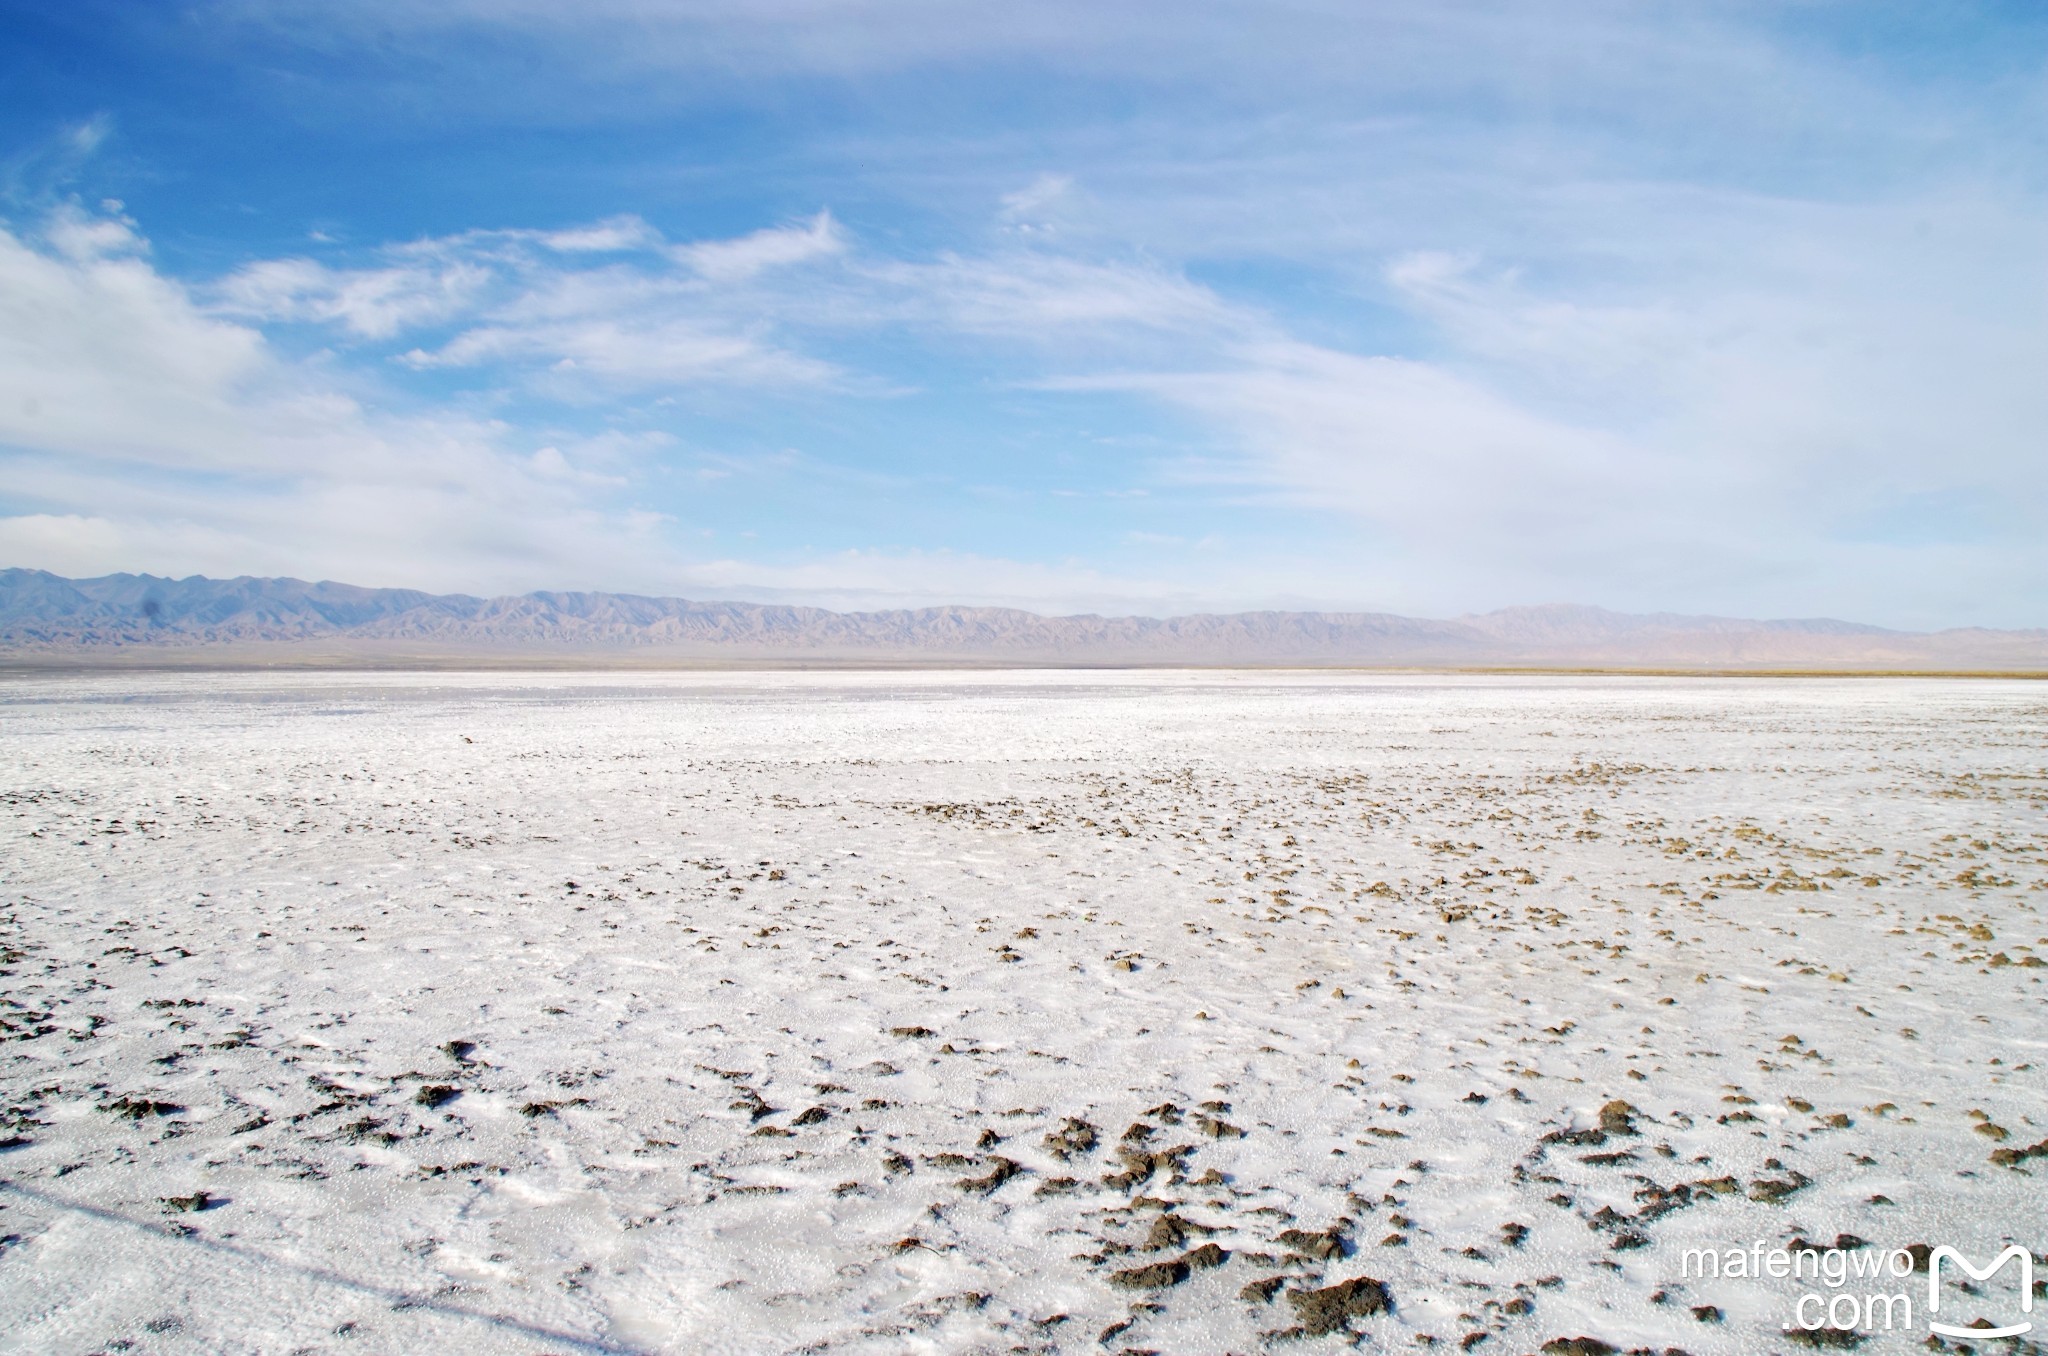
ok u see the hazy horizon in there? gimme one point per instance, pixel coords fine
(122, 620)
(795, 599)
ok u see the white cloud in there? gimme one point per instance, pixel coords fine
(157, 435)
(73, 544)
(1044, 207)
(101, 356)
(534, 302)
(85, 138)
(1724, 444)
(374, 303)
(730, 261)
(1417, 452)
(1050, 298)
(147, 433)
(635, 353)
(1034, 198)
(82, 237)
(611, 236)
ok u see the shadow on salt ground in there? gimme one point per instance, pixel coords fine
(398, 1299)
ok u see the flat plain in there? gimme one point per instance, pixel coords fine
(1063, 1011)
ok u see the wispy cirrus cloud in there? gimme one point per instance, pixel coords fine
(372, 303)
(736, 260)
(559, 303)
(1047, 298)
(648, 352)
(613, 235)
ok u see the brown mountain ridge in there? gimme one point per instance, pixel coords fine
(129, 618)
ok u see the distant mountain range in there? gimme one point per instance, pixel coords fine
(140, 618)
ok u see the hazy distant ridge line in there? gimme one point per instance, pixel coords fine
(43, 613)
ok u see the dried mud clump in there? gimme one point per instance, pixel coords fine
(138, 1108)
(1000, 1171)
(1262, 1290)
(1140, 1165)
(1159, 1275)
(2012, 1158)
(1771, 1190)
(1152, 1276)
(1323, 1246)
(1172, 1231)
(1618, 1118)
(1326, 1310)
(1575, 1138)
(1074, 1137)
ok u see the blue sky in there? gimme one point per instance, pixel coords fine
(1146, 307)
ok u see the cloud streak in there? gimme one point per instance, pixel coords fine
(773, 247)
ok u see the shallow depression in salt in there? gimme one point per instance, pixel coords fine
(1006, 1012)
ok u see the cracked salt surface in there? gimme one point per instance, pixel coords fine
(1006, 1012)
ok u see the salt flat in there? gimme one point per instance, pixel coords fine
(1033, 1012)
